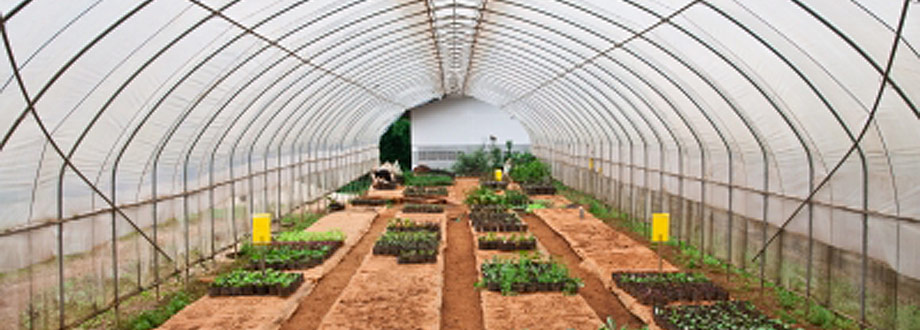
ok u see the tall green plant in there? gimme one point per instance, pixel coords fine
(472, 164)
(531, 172)
(396, 144)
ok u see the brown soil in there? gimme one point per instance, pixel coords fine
(385, 295)
(252, 312)
(461, 309)
(594, 292)
(309, 314)
(545, 310)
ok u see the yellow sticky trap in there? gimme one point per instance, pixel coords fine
(498, 175)
(660, 225)
(261, 228)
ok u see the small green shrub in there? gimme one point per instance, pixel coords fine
(299, 222)
(358, 186)
(154, 318)
(473, 164)
(531, 172)
(820, 316)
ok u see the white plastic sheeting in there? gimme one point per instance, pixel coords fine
(282, 100)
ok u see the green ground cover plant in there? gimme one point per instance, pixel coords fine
(427, 180)
(720, 315)
(527, 273)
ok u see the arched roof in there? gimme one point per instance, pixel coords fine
(759, 96)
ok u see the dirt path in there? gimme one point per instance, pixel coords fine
(383, 294)
(310, 313)
(461, 308)
(595, 293)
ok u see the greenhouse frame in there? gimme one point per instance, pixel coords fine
(139, 137)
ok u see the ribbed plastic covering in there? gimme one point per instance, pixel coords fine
(131, 122)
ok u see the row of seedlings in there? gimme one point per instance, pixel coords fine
(527, 273)
(701, 303)
(425, 192)
(423, 208)
(514, 242)
(291, 250)
(410, 241)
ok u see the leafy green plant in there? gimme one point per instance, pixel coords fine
(309, 236)
(427, 180)
(357, 186)
(527, 273)
(472, 164)
(240, 278)
(534, 171)
(299, 222)
(516, 199)
(485, 196)
(821, 317)
(154, 318)
(720, 315)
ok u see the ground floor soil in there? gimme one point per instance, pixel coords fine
(460, 307)
(362, 290)
(606, 251)
(311, 311)
(268, 312)
(543, 310)
(385, 295)
(595, 292)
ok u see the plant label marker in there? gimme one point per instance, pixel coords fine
(262, 234)
(660, 225)
(498, 175)
(261, 228)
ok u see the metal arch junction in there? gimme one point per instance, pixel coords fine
(797, 114)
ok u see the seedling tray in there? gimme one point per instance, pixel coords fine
(721, 315)
(657, 289)
(257, 290)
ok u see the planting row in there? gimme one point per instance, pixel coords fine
(484, 196)
(417, 246)
(368, 202)
(500, 222)
(285, 257)
(413, 191)
(491, 241)
(403, 224)
(428, 180)
(488, 208)
(249, 283)
(527, 273)
(538, 189)
(301, 237)
(720, 315)
(657, 289)
(492, 184)
(423, 208)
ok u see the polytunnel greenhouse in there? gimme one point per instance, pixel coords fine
(690, 164)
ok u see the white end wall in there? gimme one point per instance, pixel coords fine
(443, 128)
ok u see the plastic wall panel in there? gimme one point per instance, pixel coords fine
(703, 105)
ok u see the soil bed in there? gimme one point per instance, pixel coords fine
(385, 295)
(255, 312)
(540, 310)
(310, 312)
(595, 292)
(606, 251)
